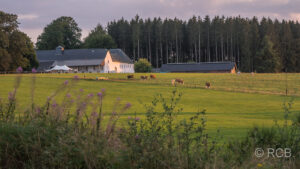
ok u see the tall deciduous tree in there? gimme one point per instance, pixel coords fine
(16, 48)
(98, 38)
(62, 31)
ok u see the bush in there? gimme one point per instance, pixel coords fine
(142, 66)
(241, 152)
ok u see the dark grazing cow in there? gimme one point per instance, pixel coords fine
(144, 77)
(130, 76)
(207, 85)
(179, 81)
(153, 76)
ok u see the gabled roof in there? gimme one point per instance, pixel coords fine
(198, 67)
(117, 55)
(71, 54)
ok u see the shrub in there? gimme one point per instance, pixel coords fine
(163, 141)
(241, 152)
(142, 66)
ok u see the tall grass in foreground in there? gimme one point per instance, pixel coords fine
(74, 134)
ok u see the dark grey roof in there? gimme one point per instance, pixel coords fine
(198, 67)
(86, 62)
(71, 57)
(117, 55)
(45, 65)
(71, 54)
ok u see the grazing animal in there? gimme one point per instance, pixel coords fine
(144, 77)
(102, 78)
(207, 85)
(130, 76)
(153, 76)
(179, 81)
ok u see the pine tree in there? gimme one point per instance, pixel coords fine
(267, 60)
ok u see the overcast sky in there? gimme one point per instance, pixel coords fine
(34, 15)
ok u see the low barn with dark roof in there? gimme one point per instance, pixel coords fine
(86, 60)
(204, 67)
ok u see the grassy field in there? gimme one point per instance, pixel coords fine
(233, 104)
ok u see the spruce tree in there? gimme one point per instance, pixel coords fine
(267, 60)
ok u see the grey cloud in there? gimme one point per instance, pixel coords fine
(282, 10)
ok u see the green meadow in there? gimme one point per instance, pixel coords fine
(233, 104)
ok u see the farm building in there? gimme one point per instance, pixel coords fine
(204, 67)
(86, 60)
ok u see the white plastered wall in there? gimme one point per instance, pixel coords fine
(116, 67)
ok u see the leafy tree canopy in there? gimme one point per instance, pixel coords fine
(98, 38)
(142, 66)
(63, 31)
(16, 48)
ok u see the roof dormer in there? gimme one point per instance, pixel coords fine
(60, 50)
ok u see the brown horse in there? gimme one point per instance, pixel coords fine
(130, 76)
(179, 81)
(153, 76)
(144, 77)
(207, 85)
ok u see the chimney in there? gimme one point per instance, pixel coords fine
(60, 50)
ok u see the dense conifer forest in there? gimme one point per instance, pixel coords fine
(256, 45)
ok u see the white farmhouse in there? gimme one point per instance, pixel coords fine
(86, 60)
(116, 61)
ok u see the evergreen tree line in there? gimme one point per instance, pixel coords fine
(255, 45)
